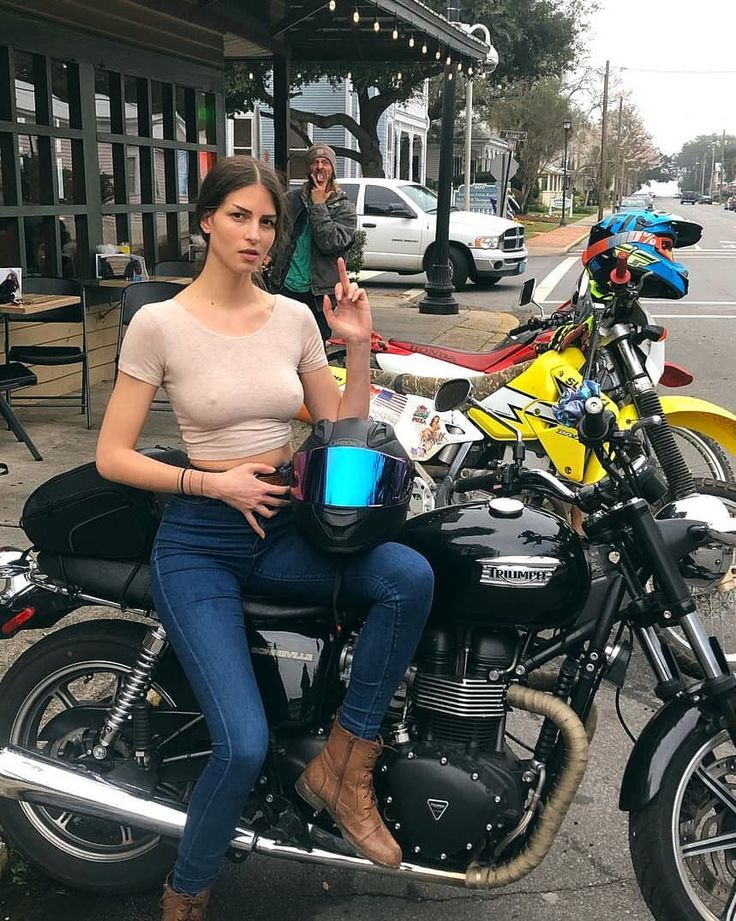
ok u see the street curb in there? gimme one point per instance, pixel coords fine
(576, 241)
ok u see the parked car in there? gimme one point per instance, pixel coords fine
(636, 203)
(400, 222)
(689, 198)
(705, 200)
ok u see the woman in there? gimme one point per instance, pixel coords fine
(236, 363)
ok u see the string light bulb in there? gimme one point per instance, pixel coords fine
(399, 75)
(376, 25)
(395, 33)
(459, 65)
(332, 5)
(448, 60)
(449, 76)
(250, 75)
(438, 54)
(356, 15)
(424, 48)
(411, 40)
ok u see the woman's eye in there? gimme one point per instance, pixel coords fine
(269, 222)
(237, 215)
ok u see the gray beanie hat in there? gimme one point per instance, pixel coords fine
(322, 150)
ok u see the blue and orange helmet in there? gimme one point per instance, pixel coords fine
(663, 224)
(649, 257)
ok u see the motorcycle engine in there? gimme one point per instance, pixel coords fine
(453, 786)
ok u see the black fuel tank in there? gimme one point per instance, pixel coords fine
(500, 562)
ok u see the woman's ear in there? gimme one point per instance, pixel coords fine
(205, 222)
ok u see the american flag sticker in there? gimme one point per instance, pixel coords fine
(387, 406)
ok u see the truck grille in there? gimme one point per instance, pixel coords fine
(513, 239)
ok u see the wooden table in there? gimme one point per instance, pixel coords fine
(124, 282)
(38, 303)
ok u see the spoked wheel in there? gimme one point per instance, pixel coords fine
(705, 458)
(41, 710)
(716, 604)
(683, 843)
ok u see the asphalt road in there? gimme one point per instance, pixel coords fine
(588, 873)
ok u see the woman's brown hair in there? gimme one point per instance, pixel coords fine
(230, 174)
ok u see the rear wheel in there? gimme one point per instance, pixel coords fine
(82, 666)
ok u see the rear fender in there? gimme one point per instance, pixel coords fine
(654, 751)
(693, 413)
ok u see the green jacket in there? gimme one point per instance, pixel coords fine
(333, 231)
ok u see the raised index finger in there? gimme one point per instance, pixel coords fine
(343, 273)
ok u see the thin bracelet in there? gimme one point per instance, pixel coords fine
(180, 481)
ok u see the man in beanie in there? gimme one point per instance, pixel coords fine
(323, 223)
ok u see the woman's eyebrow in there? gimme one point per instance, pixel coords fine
(245, 210)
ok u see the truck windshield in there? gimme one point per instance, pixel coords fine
(421, 196)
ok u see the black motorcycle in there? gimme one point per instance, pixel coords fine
(103, 740)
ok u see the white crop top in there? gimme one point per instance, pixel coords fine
(233, 396)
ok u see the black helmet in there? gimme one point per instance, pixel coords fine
(351, 485)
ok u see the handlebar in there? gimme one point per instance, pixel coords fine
(534, 323)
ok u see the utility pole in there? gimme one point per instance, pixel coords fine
(617, 178)
(723, 165)
(604, 128)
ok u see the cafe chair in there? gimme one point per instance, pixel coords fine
(180, 268)
(134, 297)
(13, 376)
(53, 356)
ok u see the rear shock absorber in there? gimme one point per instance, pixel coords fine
(135, 688)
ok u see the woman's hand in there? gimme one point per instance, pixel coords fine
(241, 488)
(351, 320)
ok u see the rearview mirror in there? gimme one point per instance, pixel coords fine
(527, 292)
(452, 394)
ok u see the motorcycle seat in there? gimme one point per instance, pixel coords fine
(474, 361)
(128, 584)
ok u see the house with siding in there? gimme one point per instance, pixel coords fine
(402, 132)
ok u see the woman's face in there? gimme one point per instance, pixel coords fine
(243, 229)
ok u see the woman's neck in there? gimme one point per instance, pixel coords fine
(222, 288)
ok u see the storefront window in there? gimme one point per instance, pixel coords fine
(108, 102)
(69, 170)
(28, 87)
(35, 169)
(72, 232)
(184, 115)
(206, 118)
(65, 109)
(243, 136)
(9, 249)
(136, 234)
(40, 245)
(207, 159)
(8, 194)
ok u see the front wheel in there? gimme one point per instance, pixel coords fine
(62, 677)
(683, 843)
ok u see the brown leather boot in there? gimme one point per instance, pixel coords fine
(340, 780)
(177, 906)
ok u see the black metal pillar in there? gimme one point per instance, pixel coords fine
(439, 288)
(281, 83)
(563, 220)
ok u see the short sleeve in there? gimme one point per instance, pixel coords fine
(313, 349)
(142, 352)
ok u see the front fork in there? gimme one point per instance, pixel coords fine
(647, 402)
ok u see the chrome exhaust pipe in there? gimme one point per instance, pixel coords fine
(31, 778)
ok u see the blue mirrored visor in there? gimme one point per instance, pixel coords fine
(350, 477)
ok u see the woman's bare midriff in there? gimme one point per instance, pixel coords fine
(274, 458)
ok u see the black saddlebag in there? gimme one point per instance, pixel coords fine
(80, 513)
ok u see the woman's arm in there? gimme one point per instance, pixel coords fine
(351, 321)
(118, 460)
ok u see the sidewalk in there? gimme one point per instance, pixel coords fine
(559, 241)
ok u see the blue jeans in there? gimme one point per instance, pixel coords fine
(205, 558)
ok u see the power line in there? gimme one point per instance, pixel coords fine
(648, 70)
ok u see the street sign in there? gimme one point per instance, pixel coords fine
(508, 135)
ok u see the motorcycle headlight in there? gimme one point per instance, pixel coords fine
(486, 243)
(713, 561)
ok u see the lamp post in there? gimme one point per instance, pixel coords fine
(566, 126)
(490, 65)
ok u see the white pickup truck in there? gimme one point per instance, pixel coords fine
(400, 219)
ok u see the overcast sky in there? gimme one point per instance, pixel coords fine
(644, 36)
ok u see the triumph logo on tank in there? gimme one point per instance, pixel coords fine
(438, 807)
(515, 572)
